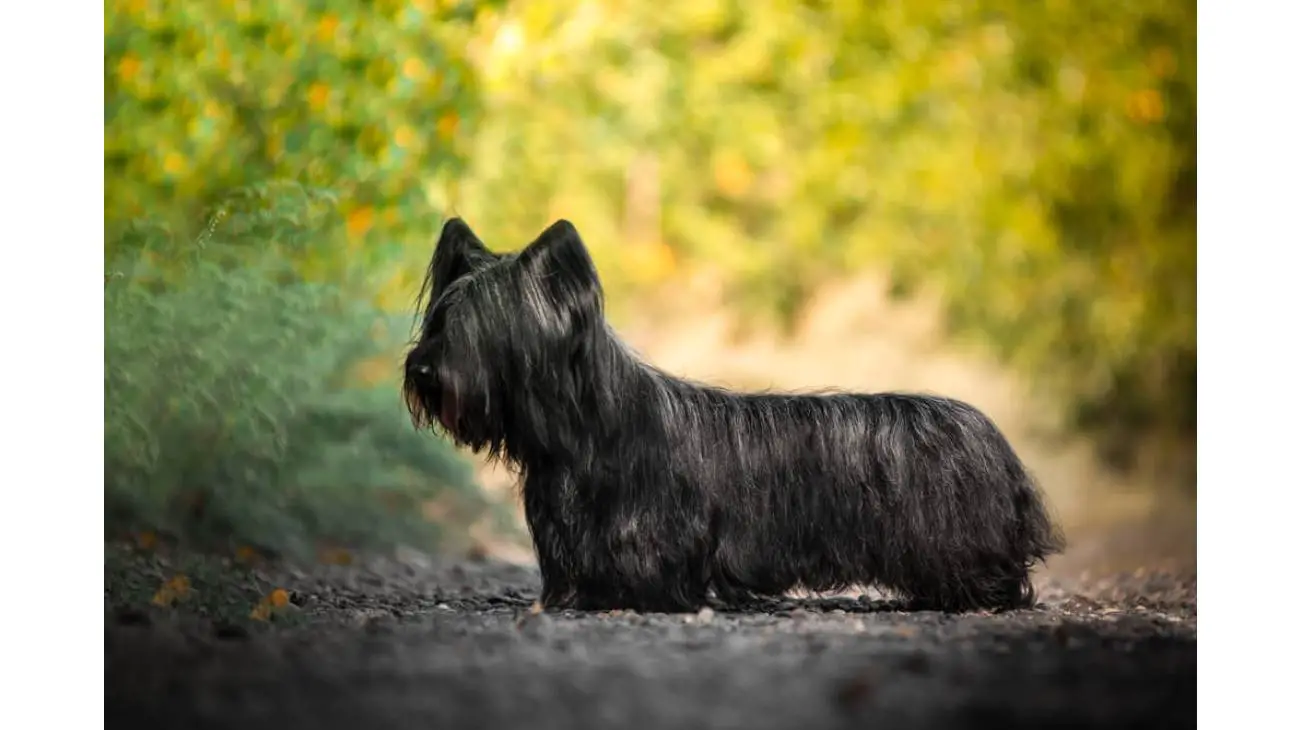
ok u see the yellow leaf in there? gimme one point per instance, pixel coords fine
(1146, 106)
(413, 68)
(318, 95)
(326, 28)
(360, 220)
(174, 163)
(447, 125)
(128, 67)
(404, 137)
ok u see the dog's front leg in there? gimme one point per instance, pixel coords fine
(547, 501)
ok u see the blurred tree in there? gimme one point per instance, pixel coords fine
(1033, 159)
(367, 99)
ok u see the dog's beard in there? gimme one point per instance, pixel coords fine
(459, 413)
(449, 411)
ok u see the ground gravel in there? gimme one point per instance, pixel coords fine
(417, 643)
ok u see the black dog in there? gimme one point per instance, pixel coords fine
(646, 491)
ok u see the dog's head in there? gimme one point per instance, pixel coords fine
(496, 329)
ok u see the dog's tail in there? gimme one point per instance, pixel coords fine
(1035, 535)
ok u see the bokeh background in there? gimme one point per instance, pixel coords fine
(991, 199)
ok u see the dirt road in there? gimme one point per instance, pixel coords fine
(421, 645)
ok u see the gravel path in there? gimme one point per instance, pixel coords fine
(416, 644)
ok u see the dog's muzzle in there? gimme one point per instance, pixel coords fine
(448, 407)
(449, 410)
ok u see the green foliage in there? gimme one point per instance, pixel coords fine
(368, 98)
(233, 410)
(1033, 160)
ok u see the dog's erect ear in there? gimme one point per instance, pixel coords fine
(559, 261)
(559, 253)
(457, 253)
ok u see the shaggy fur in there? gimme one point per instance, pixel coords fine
(649, 492)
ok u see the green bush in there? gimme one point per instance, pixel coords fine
(233, 409)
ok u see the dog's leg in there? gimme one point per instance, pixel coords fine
(552, 542)
(659, 565)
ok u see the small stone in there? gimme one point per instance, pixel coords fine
(364, 616)
(704, 616)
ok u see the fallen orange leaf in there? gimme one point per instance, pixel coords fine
(175, 589)
(279, 598)
(272, 603)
